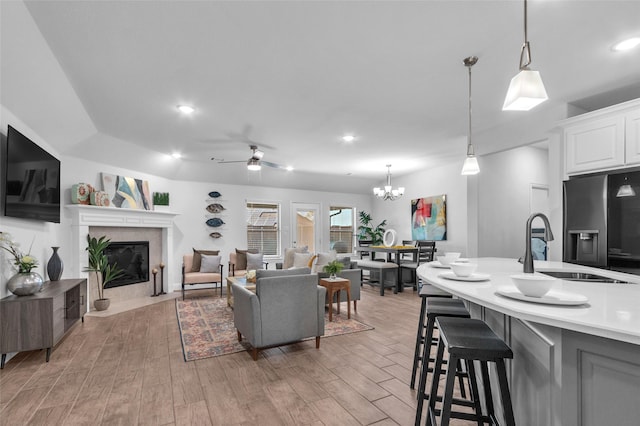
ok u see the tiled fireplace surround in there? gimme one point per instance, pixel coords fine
(124, 225)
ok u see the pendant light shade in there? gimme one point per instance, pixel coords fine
(470, 166)
(526, 89)
(626, 190)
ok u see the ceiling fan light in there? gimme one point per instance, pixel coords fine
(470, 166)
(526, 90)
(253, 165)
(626, 191)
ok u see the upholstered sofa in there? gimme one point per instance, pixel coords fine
(287, 306)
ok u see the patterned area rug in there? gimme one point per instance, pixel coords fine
(206, 328)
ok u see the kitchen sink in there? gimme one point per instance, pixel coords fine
(583, 276)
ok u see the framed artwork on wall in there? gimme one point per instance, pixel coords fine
(127, 192)
(429, 218)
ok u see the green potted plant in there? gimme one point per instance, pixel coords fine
(332, 268)
(366, 231)
(161, 199)
(99, 265)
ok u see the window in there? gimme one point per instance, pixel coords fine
(341, 230)
(263, 230)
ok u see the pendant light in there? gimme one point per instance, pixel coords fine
(387, 193)
(526, 89)
(470, 166)
(626, 190)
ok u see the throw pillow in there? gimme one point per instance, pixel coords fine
(346, 261)
(301, 260)
(210, 263)
(288, 255)
(254, 261)
(323, 259)
(241, 258)
(195, 267)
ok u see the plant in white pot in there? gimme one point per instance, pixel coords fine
(99, 265)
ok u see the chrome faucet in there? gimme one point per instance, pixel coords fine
(548, 236)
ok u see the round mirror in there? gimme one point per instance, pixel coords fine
(389, 238)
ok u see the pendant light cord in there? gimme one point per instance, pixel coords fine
(469, 62)
(525, 53)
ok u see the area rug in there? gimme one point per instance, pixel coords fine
(207, 330)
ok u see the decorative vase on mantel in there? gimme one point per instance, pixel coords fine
(25, 283)
(55, 266)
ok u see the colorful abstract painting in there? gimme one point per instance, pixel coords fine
(429, 218)
(127, 192)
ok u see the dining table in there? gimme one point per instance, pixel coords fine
(394, 254)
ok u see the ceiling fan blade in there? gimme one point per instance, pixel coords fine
(221, 161)
(272, 165)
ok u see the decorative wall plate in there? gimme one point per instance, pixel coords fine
(215, 222)
(214, 194)
(215, 235)
(215, 208)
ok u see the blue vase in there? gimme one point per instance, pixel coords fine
(55, 266)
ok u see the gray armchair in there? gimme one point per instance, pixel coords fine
(284, 309)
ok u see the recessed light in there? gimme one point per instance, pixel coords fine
(348, 138)
(186, 109)
(289, 168)
(627, 44)
(176, 155)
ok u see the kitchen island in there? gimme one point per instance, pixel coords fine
(574, 364)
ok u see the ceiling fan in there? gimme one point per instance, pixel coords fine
(235, 137)
(255, 161)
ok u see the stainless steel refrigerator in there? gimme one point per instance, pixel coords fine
(585, 220)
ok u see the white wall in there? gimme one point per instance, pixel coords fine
(436, 181)
(40, 236)
(503, 199)
(190, 199)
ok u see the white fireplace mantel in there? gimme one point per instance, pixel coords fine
(83, 216)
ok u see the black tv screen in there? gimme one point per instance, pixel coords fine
(32, 180)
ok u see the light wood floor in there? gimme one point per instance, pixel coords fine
(129, 369)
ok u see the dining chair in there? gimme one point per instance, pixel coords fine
(426, 252)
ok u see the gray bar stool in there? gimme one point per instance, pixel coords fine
(426, 291)
(470, 340)
(436, 308)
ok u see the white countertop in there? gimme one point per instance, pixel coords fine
(612, 311)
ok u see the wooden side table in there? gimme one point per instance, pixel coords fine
(335, 286)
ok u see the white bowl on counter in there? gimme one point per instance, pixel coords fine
(448, 258)
(533, 285)
(463, 269)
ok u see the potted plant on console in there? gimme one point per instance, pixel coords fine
(332, 268)
(99, 265)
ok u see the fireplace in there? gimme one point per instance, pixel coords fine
(132, 257)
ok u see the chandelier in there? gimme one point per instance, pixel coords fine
(387, 193)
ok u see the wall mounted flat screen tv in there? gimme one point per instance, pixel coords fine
(32, 180)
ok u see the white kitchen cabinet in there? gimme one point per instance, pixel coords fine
(603, 140)
(632, 124)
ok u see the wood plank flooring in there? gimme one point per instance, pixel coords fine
(128, 369)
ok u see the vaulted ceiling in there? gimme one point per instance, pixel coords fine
(294, 76)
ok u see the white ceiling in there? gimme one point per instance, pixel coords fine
(294, 76)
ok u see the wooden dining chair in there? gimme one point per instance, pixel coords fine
(426, 253)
